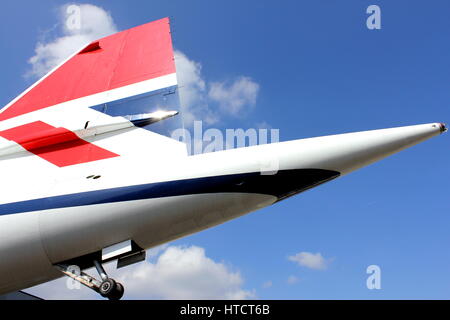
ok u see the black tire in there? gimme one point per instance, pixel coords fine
(107, 287)
(117, 293)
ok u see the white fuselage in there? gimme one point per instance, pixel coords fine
(33, 241)
(44, 224)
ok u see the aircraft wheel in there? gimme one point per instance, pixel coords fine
(107, 287)
(118, 292)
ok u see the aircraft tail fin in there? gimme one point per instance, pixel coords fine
(122, 82)
(125, 74)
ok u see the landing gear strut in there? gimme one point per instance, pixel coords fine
(107, 287)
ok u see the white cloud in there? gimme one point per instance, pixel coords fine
(156, 251)
(292, 280)
(233, 97)
(199, 103)
(190, 78)
(309, 260)
(95, 23)
(176, 273)
(185, 273)
(193, 98)
(267, 284)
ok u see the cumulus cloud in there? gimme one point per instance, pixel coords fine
(80, 24)
(190, 78)
(233, 97)
(309, 260)
(174, 273)
(186, 273)
(207, 101)
(156, 251)
(193, 98)
(267, 284)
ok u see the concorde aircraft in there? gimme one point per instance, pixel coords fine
(90, 174)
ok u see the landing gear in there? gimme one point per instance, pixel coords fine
(111, 289)
(107, 287)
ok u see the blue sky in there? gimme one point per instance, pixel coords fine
(319, 71)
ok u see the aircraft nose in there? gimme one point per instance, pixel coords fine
(345, 153)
